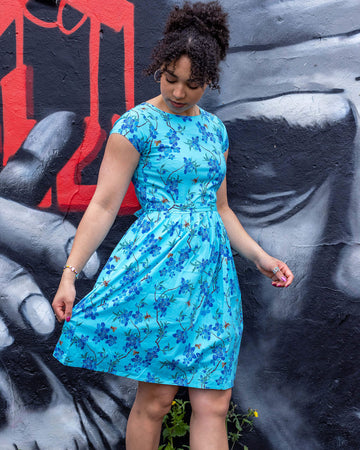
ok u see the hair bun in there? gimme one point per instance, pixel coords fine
(207, 18)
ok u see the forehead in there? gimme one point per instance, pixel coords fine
(180, 66)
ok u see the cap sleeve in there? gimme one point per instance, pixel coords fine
(222, 135)
(128, 126)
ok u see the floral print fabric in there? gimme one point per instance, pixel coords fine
(166, 308)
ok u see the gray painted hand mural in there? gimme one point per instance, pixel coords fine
(290, 100)
(31, 242)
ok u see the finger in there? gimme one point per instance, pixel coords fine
(59, 313)
(32, 170)
(51, 235)
(68, 312)
(5, 338)
(21, 299)
(283, 277)
(279, 273)
(289, 276)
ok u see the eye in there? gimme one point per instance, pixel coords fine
(266, 181)
(170, 79)
(193, 85)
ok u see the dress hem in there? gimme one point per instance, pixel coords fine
(138, 377)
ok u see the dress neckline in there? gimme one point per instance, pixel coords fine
(184, 117)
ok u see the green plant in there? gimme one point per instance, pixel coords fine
(237, 423)
(175, 425)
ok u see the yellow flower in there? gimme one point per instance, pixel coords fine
(173, 403)
(256, 413)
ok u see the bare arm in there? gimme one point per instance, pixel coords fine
(118, 165)
(244, 244)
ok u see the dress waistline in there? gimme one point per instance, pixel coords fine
(177, 209)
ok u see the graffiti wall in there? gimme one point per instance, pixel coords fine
(290, 99)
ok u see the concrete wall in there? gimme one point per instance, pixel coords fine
(290, 99)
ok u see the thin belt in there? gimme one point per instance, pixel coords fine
(177, 209)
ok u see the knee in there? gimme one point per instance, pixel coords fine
(157, 409)
(212, 405)
(153, 409)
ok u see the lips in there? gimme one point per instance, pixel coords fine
(177, 105)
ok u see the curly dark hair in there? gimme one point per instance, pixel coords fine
(199, 31)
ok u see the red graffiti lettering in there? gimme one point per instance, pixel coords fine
(17, 92)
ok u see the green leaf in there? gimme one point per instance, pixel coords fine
(181, 429)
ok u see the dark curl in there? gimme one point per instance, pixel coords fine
(199, 31)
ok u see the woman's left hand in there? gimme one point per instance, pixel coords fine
(276, 270)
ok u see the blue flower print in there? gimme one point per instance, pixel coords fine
(145, 226)
(172, 187)
(81, 342)
(152, 245)
(90, 312)
(132, 341)
(109, 266)
(190, 165)
(219, 136)
(204, 287)
(195, 144)
(69, 332)
(58, 353)
(218, 352)
(180, 380)
(218, 328)
(205, 332)
(214, 167)
(203, 131)
(124, 317)
(180, 336)
(137, 317)
(89, 363)
(101, 332)
(134, 289)
(185, 287)
(151, 354)
(220, 381)
(153, 132)
(189, 353)
(130, 124)
(111, 340)
(150, 378)
(136, 359)
(166, 307)
(173, 137)
(129, 275)
(203, 232)
(162, 304)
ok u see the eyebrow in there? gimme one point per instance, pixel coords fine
(170, 72)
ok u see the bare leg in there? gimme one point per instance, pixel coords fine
(151, 404)
(207, 424)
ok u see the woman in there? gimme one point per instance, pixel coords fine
(166, 308)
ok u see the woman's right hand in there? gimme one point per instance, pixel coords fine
(64, 298)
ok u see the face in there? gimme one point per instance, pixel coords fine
(293, 180)
(179, 92)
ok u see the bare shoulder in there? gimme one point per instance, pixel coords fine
(118, 148)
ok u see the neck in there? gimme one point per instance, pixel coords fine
(159, 103)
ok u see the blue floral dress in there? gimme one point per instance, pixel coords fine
(166, 308)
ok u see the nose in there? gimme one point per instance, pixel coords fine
(347, 275)
(179, 91)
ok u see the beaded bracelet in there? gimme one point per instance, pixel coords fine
(72, 268)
